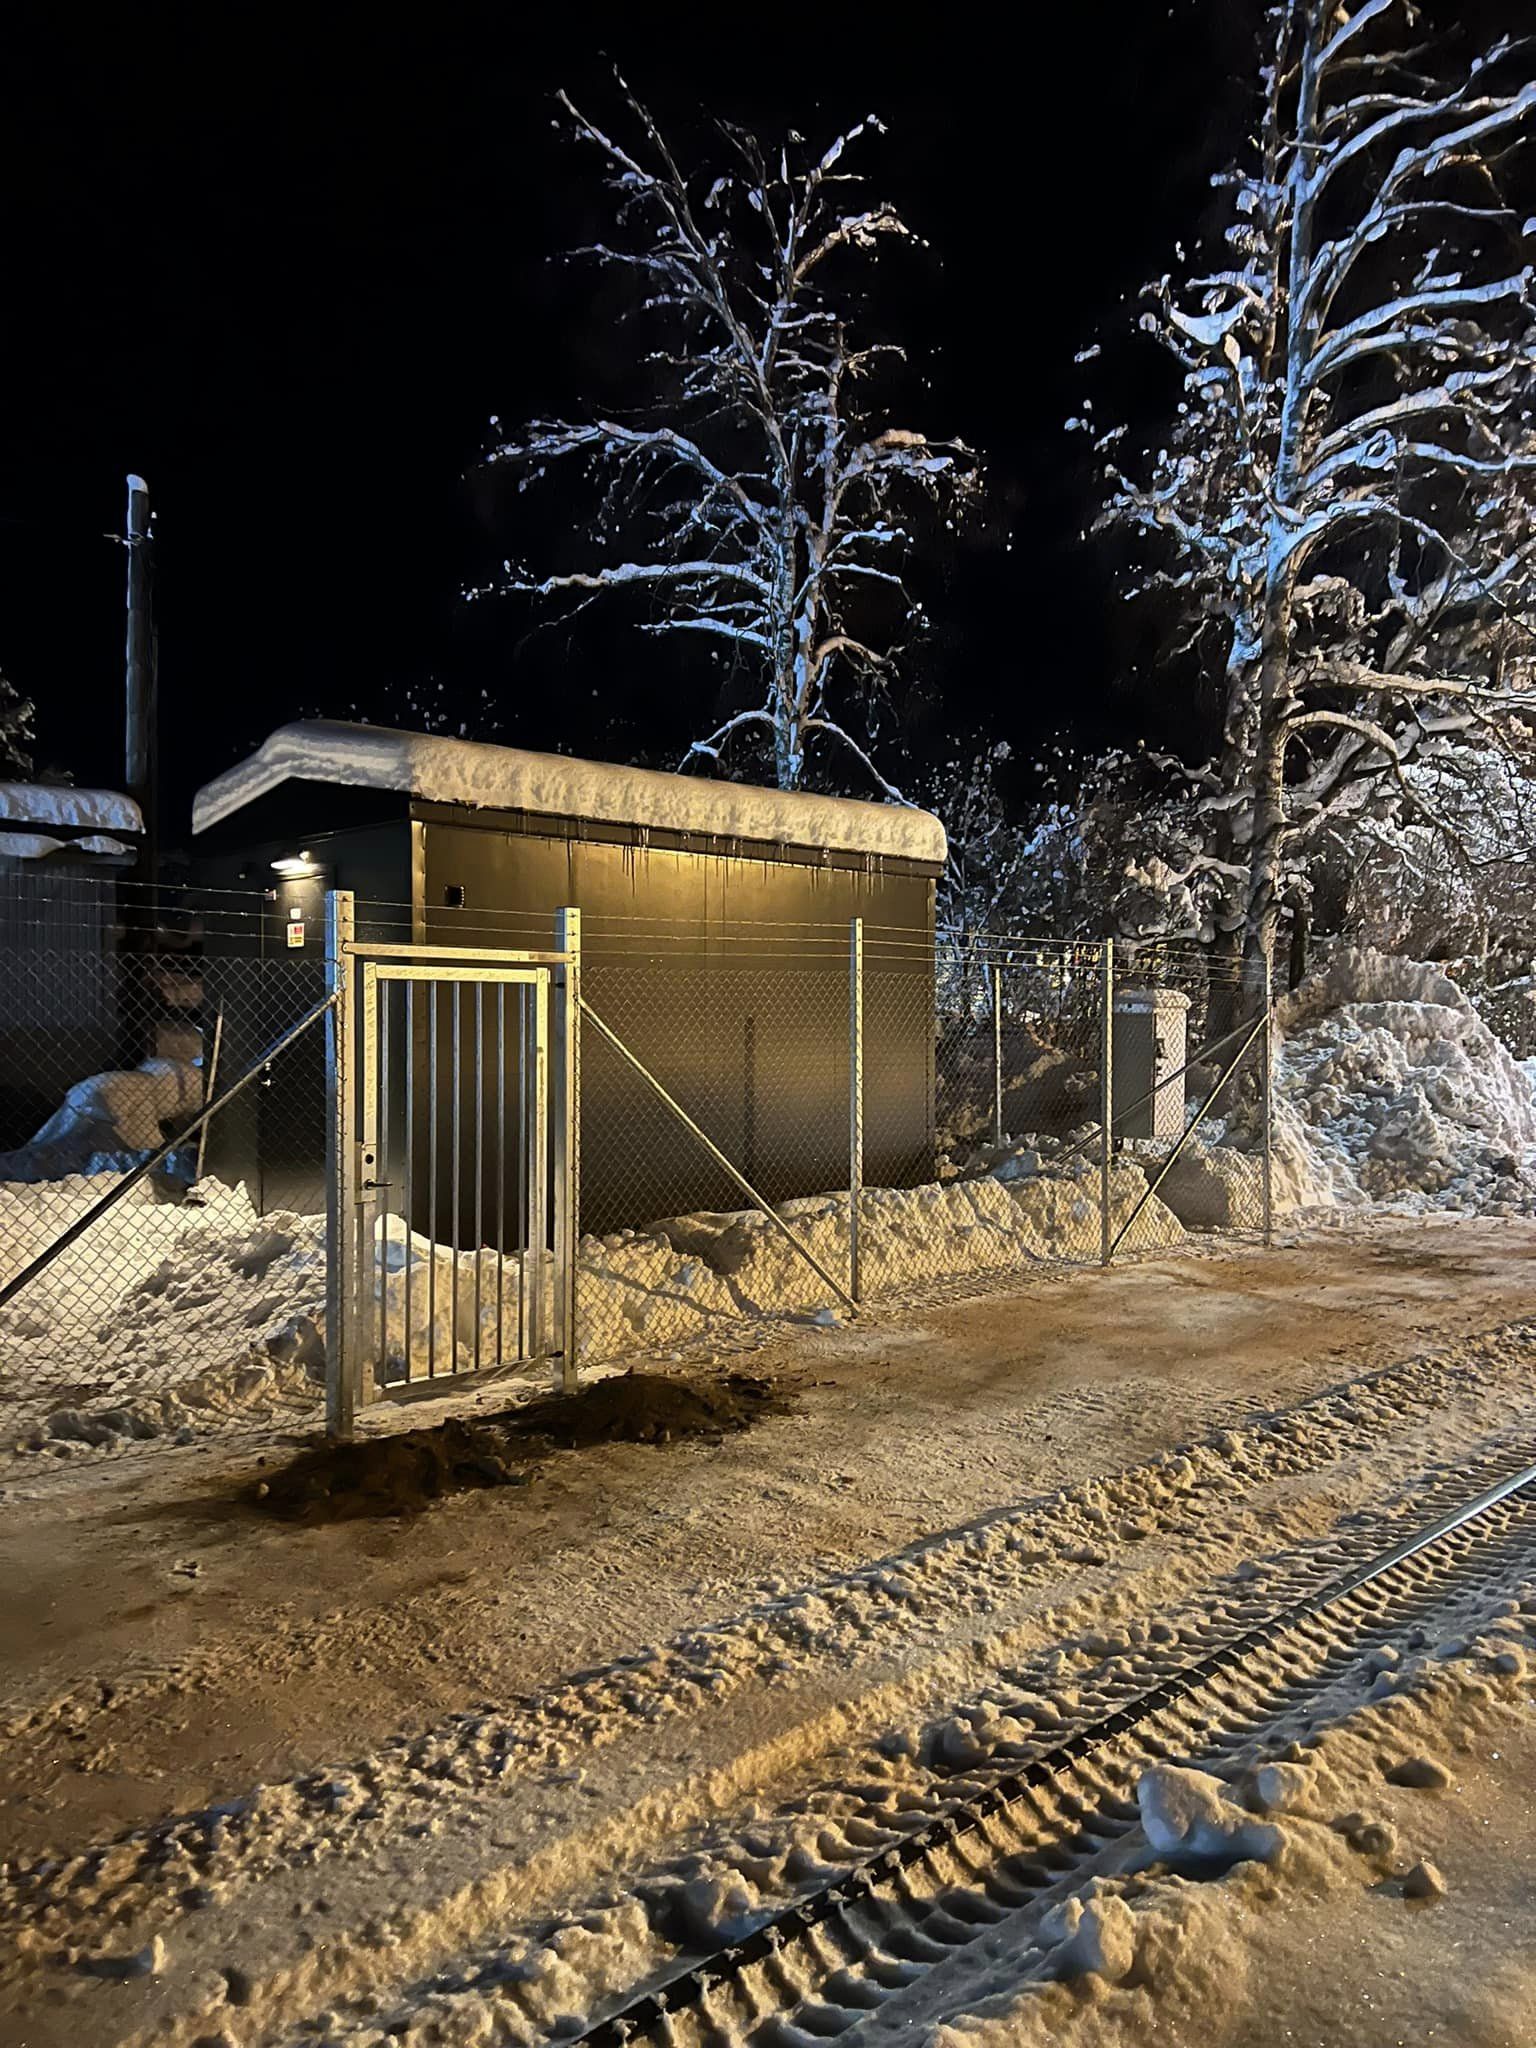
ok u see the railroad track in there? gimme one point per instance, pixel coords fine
(1021, 1835)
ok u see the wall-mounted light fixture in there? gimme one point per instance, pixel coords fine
(294, 866)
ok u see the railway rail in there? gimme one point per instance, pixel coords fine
(842, 1954)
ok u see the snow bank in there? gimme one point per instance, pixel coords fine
(166, 1316)
(108, 1122)
(554, 785)
(173, 1315)
(663, 1284)
(1391, 1089)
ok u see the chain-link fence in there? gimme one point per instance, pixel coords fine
(785, 1120)
(161, 1271)
(797, 1120)
(1191, 1096)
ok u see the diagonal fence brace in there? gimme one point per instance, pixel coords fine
(1189, 1131)
(716, 1154)
(131, 1179)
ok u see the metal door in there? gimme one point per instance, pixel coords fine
(455, 1267)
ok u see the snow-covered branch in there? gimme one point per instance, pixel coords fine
(1342, 523)
(763, 500)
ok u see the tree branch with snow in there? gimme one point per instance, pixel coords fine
(1343, 515)
(762, 501)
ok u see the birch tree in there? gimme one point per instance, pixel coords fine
(1342, 512)
(762, 502)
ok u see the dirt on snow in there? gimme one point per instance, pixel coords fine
(404, 1471)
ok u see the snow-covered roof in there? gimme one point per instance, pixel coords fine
(45, 803)
(90, 815)
(555, 785)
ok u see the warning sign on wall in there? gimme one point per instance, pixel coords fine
(295, 931)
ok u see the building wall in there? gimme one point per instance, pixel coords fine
(62, 986)
(724, 969)
(256, 985)
(726, 974)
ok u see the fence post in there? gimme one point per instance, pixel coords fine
(567, 1137)
(1266, 1098)
(855, 1106)
(342, 1363)
(997, 1055)
(1107, 1104)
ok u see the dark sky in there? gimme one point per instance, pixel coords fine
(286, 266)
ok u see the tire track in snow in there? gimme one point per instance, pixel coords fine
(358, 1831)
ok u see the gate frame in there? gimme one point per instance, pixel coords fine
(350, 1158)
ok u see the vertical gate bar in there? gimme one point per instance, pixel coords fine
(538, 1175)
(524, 1001)
(409, 1206)
(455, 1168)
(855, 1107)
(382, 1176)
(501, 1169)
(1106, 1103)
(567, 1135)
(341, 1366)
(480, 994)
(434, 990)
(366, 1094)
(1266, 1093)
(997, 1055)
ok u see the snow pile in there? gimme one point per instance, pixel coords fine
(168, 1315)
(682, 1276)
(1392, 1089)
(164, 1316)
(108, 1122)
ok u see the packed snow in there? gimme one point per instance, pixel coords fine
(535, 1848)
(473, 772)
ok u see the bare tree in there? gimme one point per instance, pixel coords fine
(1342, 513)
(17, 714)
(762, 500)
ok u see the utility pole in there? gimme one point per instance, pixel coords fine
(141, 747)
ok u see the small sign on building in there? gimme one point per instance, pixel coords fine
(295, 928)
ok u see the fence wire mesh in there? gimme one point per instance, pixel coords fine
(725, 1171)
(164, 1302)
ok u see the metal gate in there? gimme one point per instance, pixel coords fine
(450, 1176)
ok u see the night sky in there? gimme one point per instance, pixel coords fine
(286, 267)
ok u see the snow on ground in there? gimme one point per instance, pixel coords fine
(496, 1874)
(1346, 1894)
